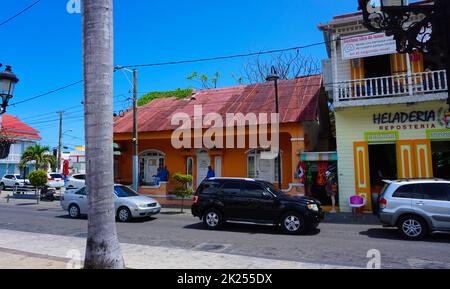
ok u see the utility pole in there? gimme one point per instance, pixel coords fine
(60, 140)
(135, 135)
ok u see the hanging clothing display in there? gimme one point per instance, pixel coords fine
(322, 174)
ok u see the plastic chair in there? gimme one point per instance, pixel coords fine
(356, 202)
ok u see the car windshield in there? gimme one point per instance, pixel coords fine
(124, 192)
(56, 176)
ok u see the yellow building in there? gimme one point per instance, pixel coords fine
(390, 110)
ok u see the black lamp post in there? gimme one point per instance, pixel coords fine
(273, 76)
(417, 26)
(8, 81)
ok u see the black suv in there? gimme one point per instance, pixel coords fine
(220, 200)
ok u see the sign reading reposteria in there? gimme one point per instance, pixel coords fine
(425, 119)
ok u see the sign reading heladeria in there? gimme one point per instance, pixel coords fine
(367, 45)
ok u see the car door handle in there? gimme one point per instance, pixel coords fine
(420, 203)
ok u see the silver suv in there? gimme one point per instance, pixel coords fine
(416, 207)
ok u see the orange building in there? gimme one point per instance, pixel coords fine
(304, 126)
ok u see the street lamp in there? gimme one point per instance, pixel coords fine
(273, 76)
(8, 81)
(421, 26)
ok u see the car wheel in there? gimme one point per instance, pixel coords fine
(74, 211)
(293, 223)
(212, 219)
(124, 215)
(412, 228)
(2, 187)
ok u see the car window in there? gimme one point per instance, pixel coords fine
(19, 177)
(79, 177)
(56, 176)
(232, 188)
(208, 187)
(124, 192)
(436, 191)
(407, 192)
(81, 192)
(8, 177)
(253, 189)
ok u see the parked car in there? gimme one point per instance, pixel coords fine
(220, 200)
(13, 180)
(55, 181)
(76, 181)
(128, 204)
(416, 207)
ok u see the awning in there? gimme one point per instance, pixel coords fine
(319, 156)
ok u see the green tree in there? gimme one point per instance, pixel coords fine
(183, 190)
(205, 81)
(39, 155)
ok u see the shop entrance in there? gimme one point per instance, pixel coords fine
(382, 164)
(441, 159)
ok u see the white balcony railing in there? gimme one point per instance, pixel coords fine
(12, 158)
(392, 86)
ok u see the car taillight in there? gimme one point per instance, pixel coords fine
(196, 199)
(50, 179)
(383, 203)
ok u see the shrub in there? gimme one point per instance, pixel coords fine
(38, 178)
(182, 190)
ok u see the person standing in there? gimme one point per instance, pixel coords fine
(331, 188)
(211, 173)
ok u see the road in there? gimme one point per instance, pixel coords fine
(334, 243)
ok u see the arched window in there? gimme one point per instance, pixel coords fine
(149, 163)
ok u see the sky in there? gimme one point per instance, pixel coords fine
(44, 47)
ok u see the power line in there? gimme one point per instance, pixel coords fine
(44, 116)
(46, 93)
(225, 57)
(19, 13)
(193, 61)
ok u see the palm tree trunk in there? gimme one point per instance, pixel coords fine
(102, 247)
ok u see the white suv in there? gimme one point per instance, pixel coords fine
(55, 181)
(76, 181)
(416, 207)
(13, 180)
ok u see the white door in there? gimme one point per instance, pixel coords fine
(266, 169)
(203, 162)
(218, 166)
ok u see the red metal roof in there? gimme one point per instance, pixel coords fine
(18, 129)
(298, 99)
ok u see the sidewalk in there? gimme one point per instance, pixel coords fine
(38, 251)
